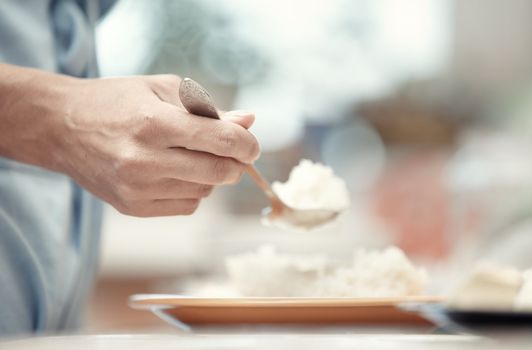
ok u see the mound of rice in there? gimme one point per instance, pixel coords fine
(266, 273)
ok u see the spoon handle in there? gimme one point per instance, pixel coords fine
(261, 181)
(197, 101)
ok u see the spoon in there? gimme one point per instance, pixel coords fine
(197, 101)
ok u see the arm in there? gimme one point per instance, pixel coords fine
(127, 140)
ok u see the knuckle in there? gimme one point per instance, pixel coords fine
(147, 124)
(227, 138)
(127, 165)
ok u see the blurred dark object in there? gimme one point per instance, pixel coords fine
(471, 321)
(418, 114)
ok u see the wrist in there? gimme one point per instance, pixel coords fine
(33, 104)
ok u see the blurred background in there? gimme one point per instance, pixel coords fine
(424, 107)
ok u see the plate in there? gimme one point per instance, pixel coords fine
(191, 310)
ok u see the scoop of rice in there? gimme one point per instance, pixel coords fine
(313, 186)
(266, 273)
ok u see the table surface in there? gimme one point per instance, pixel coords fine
(283, 338)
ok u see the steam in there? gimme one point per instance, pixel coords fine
(322, 57)
(291, 60)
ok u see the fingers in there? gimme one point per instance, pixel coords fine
(227, 138)
(171, 189)
(161, 207)
(200, 167)
(141, 167)
(168, 197)
(218, 137)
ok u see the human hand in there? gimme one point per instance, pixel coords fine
(130, 142)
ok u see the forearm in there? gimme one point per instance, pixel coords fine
(32, 102)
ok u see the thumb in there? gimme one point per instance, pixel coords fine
(243, 118)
